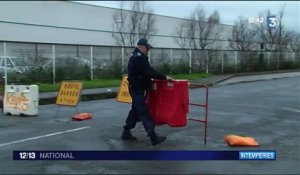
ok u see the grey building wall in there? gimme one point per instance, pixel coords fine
(54, 22)
(73, 23)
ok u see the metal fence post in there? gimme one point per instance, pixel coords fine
(4, 49)
(171, 57)
(268, 61)
(248, 62)
(122, 60)
(278, 59)
(235, 61)
(206, 64)
(5, 63)
(190, 62)
(53, 63)
(222, 62)
(92, 63)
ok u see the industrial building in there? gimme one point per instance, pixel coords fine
(48, 35)
(63, 22)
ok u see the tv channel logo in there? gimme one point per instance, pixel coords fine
(271, 22)
(256, 20)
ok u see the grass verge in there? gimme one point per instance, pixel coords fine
(102, 83)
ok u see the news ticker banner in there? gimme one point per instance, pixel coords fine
(145, 155)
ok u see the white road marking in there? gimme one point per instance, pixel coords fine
(43, 136)
(291, 109)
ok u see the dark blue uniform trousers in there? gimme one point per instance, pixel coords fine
(139, 111)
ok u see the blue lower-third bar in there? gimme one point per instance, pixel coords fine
(136, 155)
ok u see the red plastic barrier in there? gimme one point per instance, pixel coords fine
(168, 102)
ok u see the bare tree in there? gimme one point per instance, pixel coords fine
(119, 19)
(294, 41)
(181, 31)
(131, 25)
(275, 39)
(243, 35)
(199, 32)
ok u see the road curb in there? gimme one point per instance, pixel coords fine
(84, 97)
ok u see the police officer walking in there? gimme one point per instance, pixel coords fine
(140, 74)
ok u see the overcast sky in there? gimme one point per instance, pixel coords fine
(228, 10)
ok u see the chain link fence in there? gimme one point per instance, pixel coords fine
(30, 63)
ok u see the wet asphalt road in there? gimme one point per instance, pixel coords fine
(268, 110)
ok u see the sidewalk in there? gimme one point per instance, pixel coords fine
(111, 92)
(222, 79)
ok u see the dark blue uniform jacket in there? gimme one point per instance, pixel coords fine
(140, 72)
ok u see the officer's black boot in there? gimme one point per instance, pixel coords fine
(155, 139)
(126, 135)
